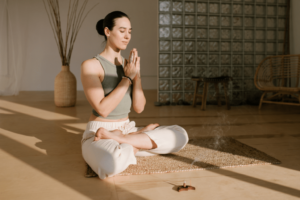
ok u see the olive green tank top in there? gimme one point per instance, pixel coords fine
(112, 77)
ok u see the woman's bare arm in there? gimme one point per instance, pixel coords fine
(138, 97)
(94, 91)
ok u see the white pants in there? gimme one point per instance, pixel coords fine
(107, 157)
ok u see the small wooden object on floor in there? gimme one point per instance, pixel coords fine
(185, 187)
(215, 80)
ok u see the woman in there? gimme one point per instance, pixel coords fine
(111, 86)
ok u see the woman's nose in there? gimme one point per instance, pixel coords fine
(127, 36)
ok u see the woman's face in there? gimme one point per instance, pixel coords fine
(120, 36)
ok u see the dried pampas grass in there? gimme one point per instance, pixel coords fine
(75, 18)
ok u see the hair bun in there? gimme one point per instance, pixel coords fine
(99, 27)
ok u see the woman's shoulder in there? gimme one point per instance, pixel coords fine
(89, 62)
(91, 65)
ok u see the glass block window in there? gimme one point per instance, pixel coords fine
(216, 38)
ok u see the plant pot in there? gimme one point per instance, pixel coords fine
(65, 88)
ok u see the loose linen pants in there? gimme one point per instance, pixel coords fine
(107, 157)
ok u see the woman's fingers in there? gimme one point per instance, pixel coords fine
(130, 69)
(136, 53)
(133, 66)
(134, 56)
(131, 57)
(136, 60)
(136, 63)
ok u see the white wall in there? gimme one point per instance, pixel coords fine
(42, 62)
(295, 27)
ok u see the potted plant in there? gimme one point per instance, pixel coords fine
(65, 82)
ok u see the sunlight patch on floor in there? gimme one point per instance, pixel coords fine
(5, 112)
(71, 131)
(29, 141)
(34, 112)
(80, 126)
(24, 174)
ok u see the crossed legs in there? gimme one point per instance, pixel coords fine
(139, 140)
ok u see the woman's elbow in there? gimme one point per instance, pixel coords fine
(102, 113)
(138, 109)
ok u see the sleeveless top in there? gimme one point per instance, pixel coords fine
(112, 77)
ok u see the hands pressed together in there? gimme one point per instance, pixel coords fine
(132, 68)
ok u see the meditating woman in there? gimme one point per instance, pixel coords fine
(111, 85)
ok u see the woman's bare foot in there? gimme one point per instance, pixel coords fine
(102, 133)
(149, 127)
(146, 128)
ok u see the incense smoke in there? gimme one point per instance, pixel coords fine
(216, 129)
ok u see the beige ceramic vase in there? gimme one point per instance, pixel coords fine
(65, 88)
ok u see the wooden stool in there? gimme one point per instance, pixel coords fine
(215, 80)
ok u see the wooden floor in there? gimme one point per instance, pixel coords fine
(40, 152)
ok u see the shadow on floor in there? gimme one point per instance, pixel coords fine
(245, 178)
(63, 160)
(57, 141)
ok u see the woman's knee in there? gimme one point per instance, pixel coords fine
(182, 136)
(110, 159)
(119, 161)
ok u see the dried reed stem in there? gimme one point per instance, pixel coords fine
(74, 22)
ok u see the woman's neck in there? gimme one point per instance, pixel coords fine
(111, 54)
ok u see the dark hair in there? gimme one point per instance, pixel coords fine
(109, 22)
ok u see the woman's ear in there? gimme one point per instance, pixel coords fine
(106, 32)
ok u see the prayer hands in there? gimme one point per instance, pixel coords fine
(132, 69)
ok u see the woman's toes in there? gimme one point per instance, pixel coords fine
(99, 131)
(153, 126)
